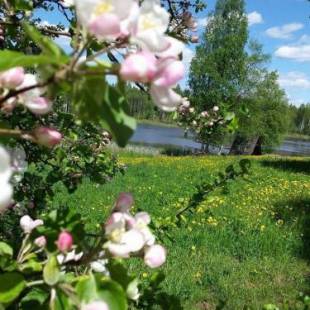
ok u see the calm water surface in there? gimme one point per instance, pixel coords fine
(159, 135)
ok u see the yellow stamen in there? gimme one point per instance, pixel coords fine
(103, 8)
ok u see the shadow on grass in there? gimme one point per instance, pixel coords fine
(292, 165)
(296, 214)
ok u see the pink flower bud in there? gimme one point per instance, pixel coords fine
(169, 73)
(12, 78)
(105, 26)
(64, 242)
(155, 256)
(39, 105)
(124, 202)
(40, 242)
(47, 136)
(139, 67)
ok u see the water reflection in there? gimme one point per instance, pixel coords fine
(159, 135)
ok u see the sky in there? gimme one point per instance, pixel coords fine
(282, 26)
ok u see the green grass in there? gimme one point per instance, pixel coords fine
(247, 245)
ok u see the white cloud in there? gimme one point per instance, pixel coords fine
(285, 31)
(188, 55)
(255, 18)
(294, 52)
(294, 80)
(202, 22)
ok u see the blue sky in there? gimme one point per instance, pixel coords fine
(282, 26)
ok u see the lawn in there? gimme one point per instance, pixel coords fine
(246, 245)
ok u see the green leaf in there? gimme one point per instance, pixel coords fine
(5, 250)
(36, 297)
(61, 301)
(95, 287)
(43, 42)
(11, 59)
(23, 5)
(119, 273)
(11, 285)
(31, 266)
(94, 100)
(51, 272)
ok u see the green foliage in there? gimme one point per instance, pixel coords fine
(94, 100)
(300, 119)
(267, 112)
(11, 286)
(10, 59)
(243, 243)
(218, 69)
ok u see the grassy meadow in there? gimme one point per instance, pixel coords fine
(245, 246)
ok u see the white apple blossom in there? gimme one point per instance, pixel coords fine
(69, 257)
(100, 266)
(104, 18)
(151, 26)
(28, 224)
(165, 98)
(6, 190)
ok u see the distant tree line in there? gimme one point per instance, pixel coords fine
(300, 119)
(142, 108)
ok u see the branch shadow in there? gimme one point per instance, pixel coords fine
(296, 213)
(291, 165)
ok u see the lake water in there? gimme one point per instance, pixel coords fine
(160, 135)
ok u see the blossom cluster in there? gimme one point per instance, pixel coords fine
(32, 98)
(156, 57)
(199, 121)
(130, 235)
